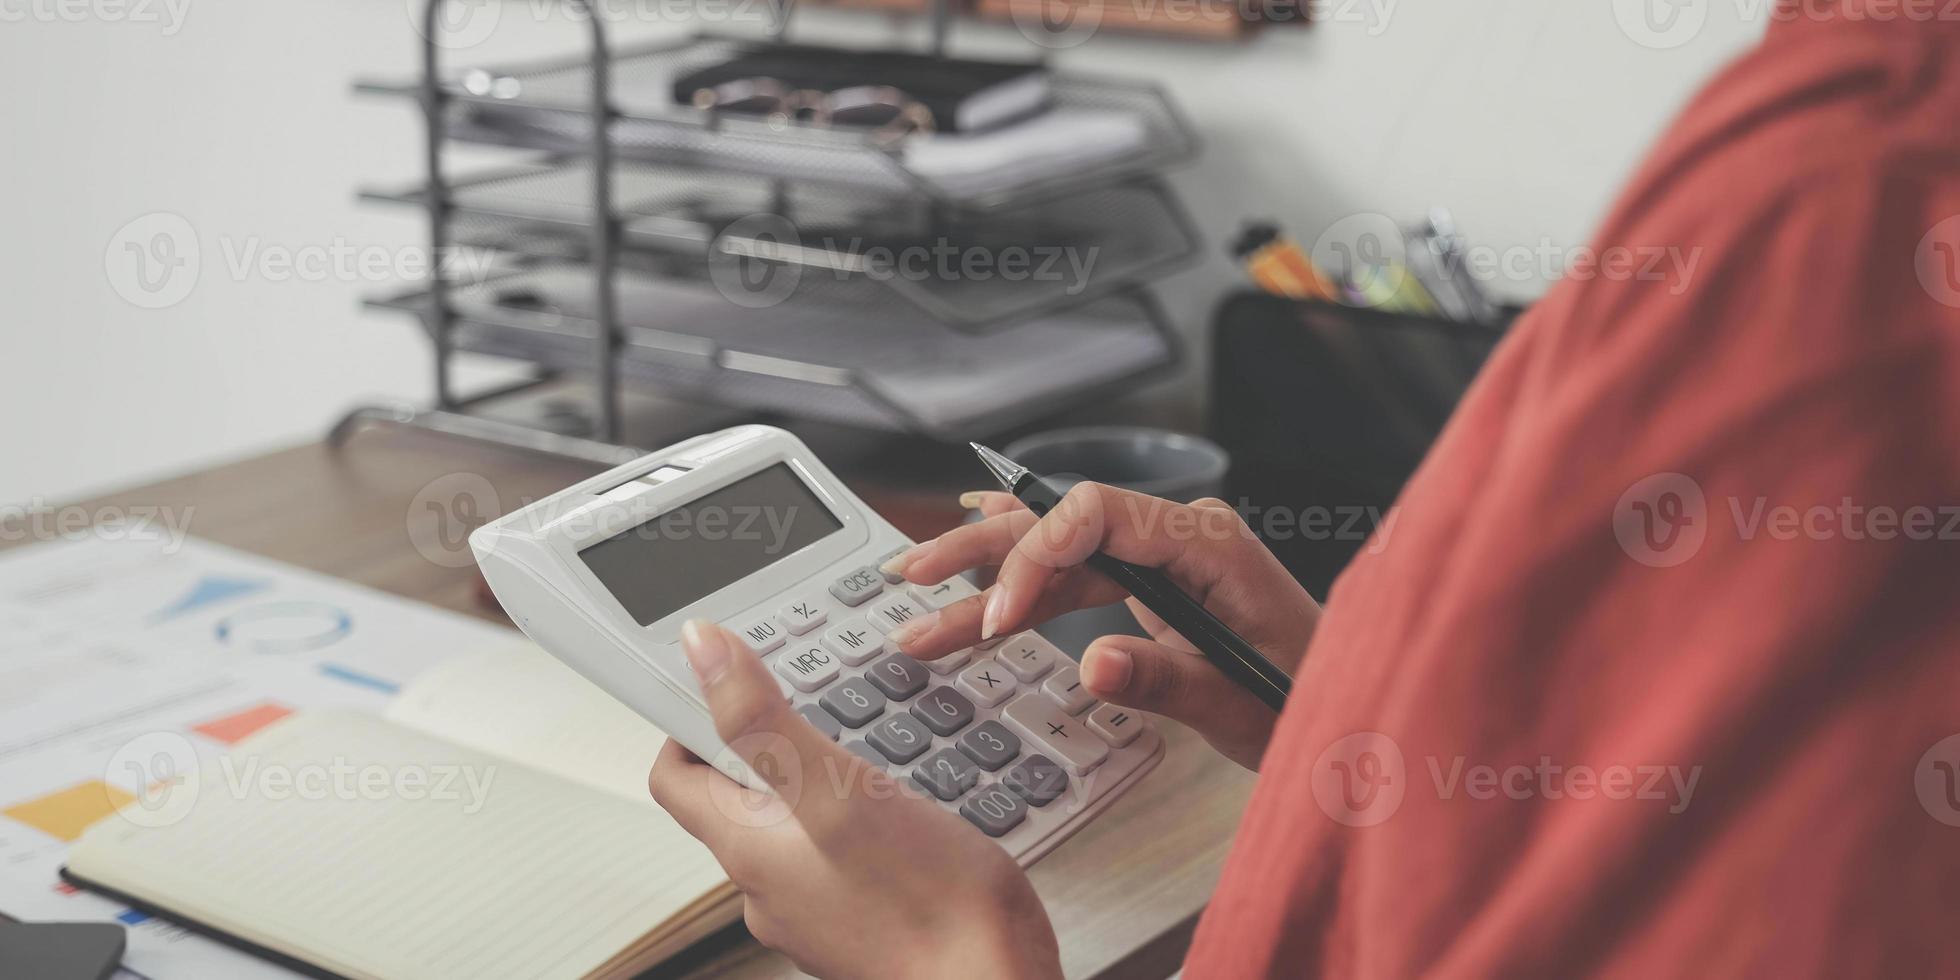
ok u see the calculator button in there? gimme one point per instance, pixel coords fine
(990, 745)
(1029, 657)
(950, 662)
(854, 702)
(863, 750)
(900, 737)
(1038, 779)
(802, 616)
(808, 666)
(1056, 734)
(854, 640)
(763, 635)
(1117, 725)
(898, 675)
(1065, 687)
(893, 610)
(946, 775)
(994, 810)
(893, 577)
(944, 710)
(825, 723)
(945, 593)
(990, 643)
(986, 682)
(853, 589)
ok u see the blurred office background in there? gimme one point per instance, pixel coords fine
(1523, 117)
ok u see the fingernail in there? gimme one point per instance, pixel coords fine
(707, 650)
(971, 499)
(1107, 670)
(904, 558)
(990, 616)
(913, 629)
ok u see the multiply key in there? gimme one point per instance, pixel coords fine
(986, 682)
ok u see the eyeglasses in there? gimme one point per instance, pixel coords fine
(889, 113)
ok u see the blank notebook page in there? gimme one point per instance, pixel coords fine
(534, 877)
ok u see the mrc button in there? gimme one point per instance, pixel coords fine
(808, 666)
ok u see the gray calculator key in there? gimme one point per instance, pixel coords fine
(900, 737)
(858, 747)
(994, 810)
(990, 745)
(853, 589)
(1038, 779)
(892, 577)
(944, 710)
(898, 675)
(946, 774)
(853, 702)
(825, 723)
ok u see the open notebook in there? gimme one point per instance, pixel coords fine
(542, 857)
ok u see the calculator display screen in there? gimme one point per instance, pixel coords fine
(689, 552)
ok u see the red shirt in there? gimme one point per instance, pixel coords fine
(1661, 653)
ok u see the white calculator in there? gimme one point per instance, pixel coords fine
(745, 527)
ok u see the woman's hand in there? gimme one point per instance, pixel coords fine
(1204, 547)
(845, 870)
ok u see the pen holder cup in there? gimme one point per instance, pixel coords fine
(1172, 465)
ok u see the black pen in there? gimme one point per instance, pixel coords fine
(1227, 651)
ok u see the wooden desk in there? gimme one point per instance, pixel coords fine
(1124, 894)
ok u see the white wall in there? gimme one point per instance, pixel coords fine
(1522, 116)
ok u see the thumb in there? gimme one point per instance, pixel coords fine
(757, 724)
(1149, 676)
